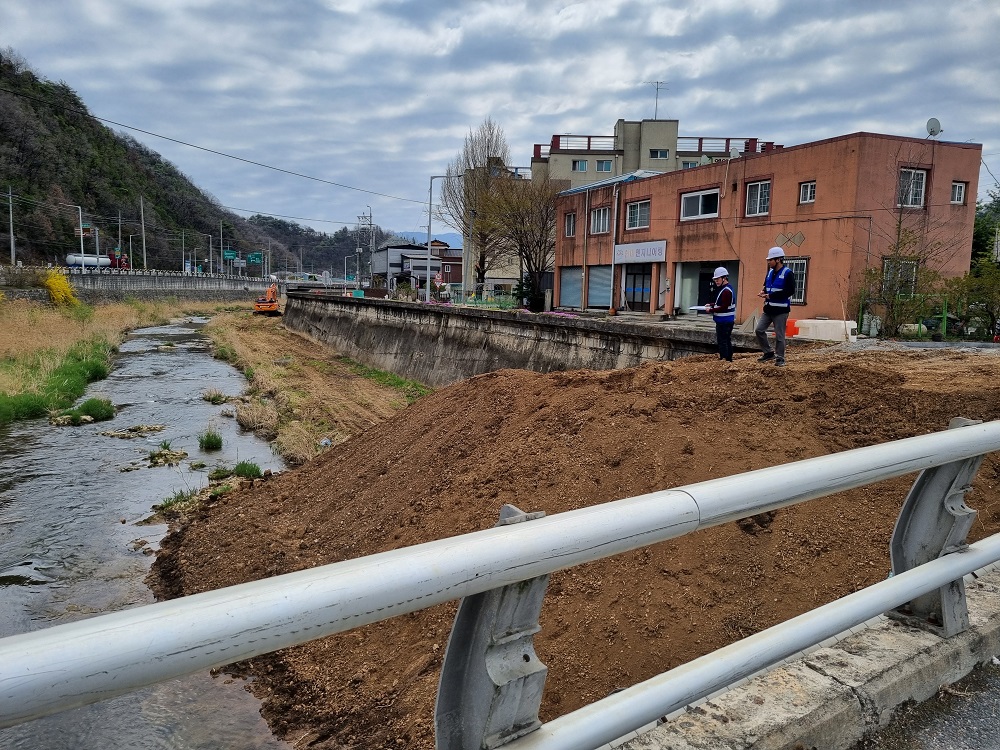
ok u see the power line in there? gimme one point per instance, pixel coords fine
(212, 151)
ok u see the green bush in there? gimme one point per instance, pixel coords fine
(248, 470)
(210, 440)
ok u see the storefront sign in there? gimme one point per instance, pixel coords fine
(641, 252)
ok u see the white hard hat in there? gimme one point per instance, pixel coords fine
(720, 272)
(775, 252)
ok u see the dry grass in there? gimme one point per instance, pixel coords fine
(296, 443)
(259, 416)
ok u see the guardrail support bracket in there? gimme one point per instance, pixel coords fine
(491, 680)
(933, 522)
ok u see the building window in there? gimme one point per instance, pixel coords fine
(659, 153)
(637, 215)
(600, 220)
(899, 277)
(911, 188)
(570, 224)
(800, 267)
(758, 198)
(604, 165)
(958, 192)
(701, 205)
(689, 164)
(579, 165)
(807, 192)
(447, 268)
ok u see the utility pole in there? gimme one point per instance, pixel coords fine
(10, 210)
(366, 239)
(142, 219)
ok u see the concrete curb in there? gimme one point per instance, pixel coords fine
(833, 696)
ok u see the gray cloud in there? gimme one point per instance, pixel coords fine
(379, 94)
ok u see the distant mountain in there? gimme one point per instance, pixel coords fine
(452, 238)
(63, 167)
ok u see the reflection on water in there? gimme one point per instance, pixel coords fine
(70, 499)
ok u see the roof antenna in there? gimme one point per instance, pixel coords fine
(656, 104)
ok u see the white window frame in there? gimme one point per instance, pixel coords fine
(702, 213)
(689, 164)
(603, 165)
(447, 268)
(600, 220)
(807, 192)
(800, 267)
(637, 215)
(569, 224)
(579, 165)
(912, 188)
(758, 198)
(958, 190)
(659, 153)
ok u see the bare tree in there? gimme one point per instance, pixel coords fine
(468, 199)
(525, 216)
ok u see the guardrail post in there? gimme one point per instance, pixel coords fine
(933, 522)
(491, 680)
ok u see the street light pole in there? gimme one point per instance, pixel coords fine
(430, 196)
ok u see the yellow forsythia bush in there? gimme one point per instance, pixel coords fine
(60, 292)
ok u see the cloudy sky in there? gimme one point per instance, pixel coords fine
(372, 97)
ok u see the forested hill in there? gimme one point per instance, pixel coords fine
(56, 157)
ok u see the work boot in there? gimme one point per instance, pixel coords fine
(779, 363)
(766, 356)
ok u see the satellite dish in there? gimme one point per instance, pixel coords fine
(933, 126)
(734, 153)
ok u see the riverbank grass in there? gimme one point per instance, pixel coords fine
(47, 380)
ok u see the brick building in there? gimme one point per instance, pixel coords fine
(649, 242)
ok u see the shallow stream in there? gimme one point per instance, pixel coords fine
(71, 501)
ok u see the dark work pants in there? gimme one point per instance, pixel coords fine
(724, 336)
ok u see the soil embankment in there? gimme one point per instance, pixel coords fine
(561, 441)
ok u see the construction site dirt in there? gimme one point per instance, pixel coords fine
(554, 442)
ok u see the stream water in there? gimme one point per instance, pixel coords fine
(71, 500)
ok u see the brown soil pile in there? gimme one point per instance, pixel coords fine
(562, 441)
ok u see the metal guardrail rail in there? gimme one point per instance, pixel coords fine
(501, 573)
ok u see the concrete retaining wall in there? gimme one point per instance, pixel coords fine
(438, 344)
(110, 285)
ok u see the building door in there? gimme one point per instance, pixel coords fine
(599, 286)
(571, 286)
(638, 285)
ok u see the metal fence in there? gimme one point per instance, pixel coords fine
(492, 681)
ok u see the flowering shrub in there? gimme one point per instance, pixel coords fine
(60, 292)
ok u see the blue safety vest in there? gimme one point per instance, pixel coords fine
(774, 283)
(725, 315)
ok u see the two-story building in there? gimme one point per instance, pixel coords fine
(649, 242)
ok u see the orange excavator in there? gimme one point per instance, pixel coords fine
(268, 304)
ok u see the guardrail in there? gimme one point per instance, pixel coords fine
(492, 681)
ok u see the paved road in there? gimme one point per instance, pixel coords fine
(964, 716)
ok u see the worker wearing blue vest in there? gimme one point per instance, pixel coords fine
(779, 287)
(723, 313)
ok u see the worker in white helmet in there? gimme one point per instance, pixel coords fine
(723, 313)
(779, 286)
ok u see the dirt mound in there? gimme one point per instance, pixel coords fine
(562, 441)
